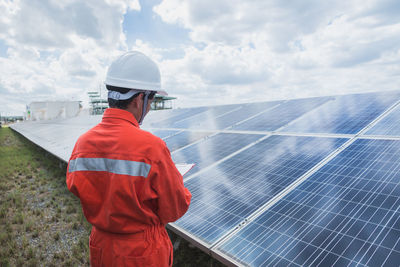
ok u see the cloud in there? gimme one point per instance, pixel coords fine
(226, 65)
(76, 65)
(347, 42)
(59, 49)
(47, 24)
(383, 12)
(278, 26)
(286, 49)
(236, 51)
(275, 23)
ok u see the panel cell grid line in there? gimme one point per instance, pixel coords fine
(229, 192)
(213, 149)
(347, 213)
(183, 139)
(280, 115)
(345, 115)
(389, 125)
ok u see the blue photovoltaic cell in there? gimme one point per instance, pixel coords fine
(347, 213)
(389, 125)
(239, 113)
(226, 194)
(213, 149)
(279, 116)
(345, 115)
(183, 139)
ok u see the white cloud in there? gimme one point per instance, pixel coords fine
(174, 11)
(58, 49)
(125, 4)
(238, 51)
(278, 49)
(237, 22)
(218, 64)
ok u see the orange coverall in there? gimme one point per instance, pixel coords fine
(129, 190)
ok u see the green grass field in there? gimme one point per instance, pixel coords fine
(41, 222)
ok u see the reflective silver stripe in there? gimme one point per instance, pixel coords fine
(117, 166)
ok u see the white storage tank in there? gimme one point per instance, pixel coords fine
(47, 110)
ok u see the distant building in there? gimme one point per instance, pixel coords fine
(162, 102)
(47, 110)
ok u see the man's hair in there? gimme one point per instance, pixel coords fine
(121, 104)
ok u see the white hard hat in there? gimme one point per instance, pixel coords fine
(135, 70)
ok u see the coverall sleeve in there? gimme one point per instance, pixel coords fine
(173, 197)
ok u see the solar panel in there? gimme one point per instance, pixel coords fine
(57, 136)
(389, 125)
(213, 149)
(164, 133)
(345, 115)
(167, 119)
(239, 113)
(159, 115)
(347, 213)
(208, 116)
(229, 192)
(183, 139)
(279, 116)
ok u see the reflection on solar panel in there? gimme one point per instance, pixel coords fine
(237, 114)
(213, 149)
(279, 116)
(229, 192)
(304, 196)
(183, 139)
(207, 116)
(347, 213)
(389, 125)
(344, 115)
(57, 136)
(167, 119)
(164, 133)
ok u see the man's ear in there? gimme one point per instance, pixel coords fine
(135, 103)
(140, 97)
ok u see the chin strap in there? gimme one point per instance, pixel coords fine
(145, 100)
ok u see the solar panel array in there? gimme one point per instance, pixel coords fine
(305, 182)
(346, 213)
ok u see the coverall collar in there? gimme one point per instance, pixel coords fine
(117, 113)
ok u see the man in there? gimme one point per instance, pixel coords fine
(128, 186)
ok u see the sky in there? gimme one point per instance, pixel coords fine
(209, 52)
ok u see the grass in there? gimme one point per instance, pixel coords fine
(41, 222)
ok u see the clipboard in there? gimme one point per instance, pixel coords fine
(184, 168)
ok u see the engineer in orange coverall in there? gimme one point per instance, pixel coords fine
(128, 186)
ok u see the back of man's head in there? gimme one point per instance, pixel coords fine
(117, 103)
